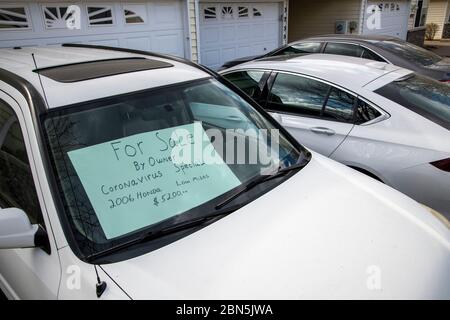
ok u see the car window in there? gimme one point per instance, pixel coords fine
(119, 178)
(16, 181)
(425, 96)
(410, 52)
(306, 47)
(297, 94)
(368, 54)
(339, 106)
(344, 49)
(364, 112)
(247, 81)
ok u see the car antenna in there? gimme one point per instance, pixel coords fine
(100, 287)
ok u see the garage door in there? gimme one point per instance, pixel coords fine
(233, 30)
(394, 18)
(151, 25)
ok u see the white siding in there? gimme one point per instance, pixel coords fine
(437, 10)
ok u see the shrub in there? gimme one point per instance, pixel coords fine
(430, 31)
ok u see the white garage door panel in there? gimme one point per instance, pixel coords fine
(394, 18)
(162, 28)
(232, 30)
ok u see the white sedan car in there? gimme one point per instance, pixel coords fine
(94, 203)
(382, 120)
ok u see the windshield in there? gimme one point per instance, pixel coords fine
(147, 160)
(410, 52)
(425, 96)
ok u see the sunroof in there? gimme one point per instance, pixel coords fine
(101, 68)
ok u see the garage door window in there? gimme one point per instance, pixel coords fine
(210, 13)
(243, 12)
(100, 16)
(227, 12)
(257, 12)
(13, 18)
(135, 14)
(56, 17)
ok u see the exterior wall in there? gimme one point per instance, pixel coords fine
(309, 18)
(437, 10)
(415, 35)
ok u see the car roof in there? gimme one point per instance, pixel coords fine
(349, 72)
(57, 58)
(352, 37)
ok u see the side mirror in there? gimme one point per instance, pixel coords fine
(16, 231)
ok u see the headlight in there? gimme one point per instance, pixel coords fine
(438, 215)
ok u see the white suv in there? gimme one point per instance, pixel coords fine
(95, 203)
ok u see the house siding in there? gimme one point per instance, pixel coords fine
(192, 18)
(309, 18)
(437, 13)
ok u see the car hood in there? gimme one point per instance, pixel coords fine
(327, 232)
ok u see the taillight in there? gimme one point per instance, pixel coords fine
(445, 81)
(442, 164)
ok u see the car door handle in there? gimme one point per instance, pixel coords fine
(322, 130)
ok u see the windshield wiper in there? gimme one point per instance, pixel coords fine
(261, 179)
(147, 236)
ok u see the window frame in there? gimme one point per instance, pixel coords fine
(31, 162)
(362, 46)
(105, 5)
(345, 43)
(126, 6)
(262, 99)
(27, 14)
(269, 83)
(280, 51)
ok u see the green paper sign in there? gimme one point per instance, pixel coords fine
(135, 181)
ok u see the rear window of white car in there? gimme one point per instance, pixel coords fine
(425, 96)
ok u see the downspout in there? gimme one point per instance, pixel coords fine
(197, 29)
(361, 16)
(189, 29)
(286, 22)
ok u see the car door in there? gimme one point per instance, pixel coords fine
(318, 115)
(29, 273)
